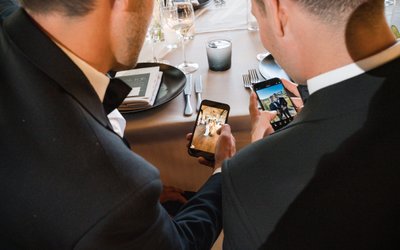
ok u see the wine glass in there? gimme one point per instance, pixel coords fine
(155, 33)
(179, 16)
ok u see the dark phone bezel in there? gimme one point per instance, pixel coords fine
(266, 84)
(195, 152)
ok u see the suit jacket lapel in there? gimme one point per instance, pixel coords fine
(50, 59)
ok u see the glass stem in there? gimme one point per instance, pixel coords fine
(183, 51)
(153, 51)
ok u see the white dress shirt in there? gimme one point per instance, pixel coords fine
(354, 69)
(99, 82)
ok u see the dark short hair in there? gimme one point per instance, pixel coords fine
(68, 7)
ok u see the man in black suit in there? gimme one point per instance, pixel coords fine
(330, 179)
(285, 110)
(279, 105)
(68, 180)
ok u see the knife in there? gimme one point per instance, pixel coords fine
(187, 92)
(198, 88)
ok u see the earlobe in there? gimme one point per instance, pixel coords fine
(122, 4)
(117, 4)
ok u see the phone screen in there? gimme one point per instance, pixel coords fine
(211, 117)
(273, 97)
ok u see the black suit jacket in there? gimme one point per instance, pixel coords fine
(66, 179)
(7, 7)
(330, 180)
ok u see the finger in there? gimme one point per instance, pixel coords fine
(269, 131)
(189, 137)
(253, 106)
(263, 126)
(271, 115)
(178, 197)
(233, 148)
(298, 103)
(173, 189)
(173, 196)
(182, 199)
(267, 116)
(291, 86)
(205, 162)
(219, 130)
(224, 129)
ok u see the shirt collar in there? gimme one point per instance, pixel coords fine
(98, 80)
(354, 69)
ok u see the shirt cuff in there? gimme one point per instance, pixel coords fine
(117, 121)
(218, 170)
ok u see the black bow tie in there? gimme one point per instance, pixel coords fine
(116, 92)
(303, 90)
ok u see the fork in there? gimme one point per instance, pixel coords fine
(253, 76)
(246, 81)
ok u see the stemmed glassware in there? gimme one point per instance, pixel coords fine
(155, 32)
(179, 16)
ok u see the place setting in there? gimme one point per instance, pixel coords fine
(150, 89)
(267, 68)
(155, 81)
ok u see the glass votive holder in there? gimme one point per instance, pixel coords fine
(219, 54)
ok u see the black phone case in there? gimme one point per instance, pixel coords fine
(269, 83)
(196, 152)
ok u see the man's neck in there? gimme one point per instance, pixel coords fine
(86, 36)
(355, 42)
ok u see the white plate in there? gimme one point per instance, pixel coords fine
(270, 69)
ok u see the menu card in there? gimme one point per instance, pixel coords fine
(145, 83)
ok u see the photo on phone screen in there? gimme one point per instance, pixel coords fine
(273, 97)
(211, 117)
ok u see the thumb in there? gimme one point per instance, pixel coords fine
(291, 86)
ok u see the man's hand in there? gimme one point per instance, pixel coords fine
(225, 147)
(260, 120)
(292, 87)
(172, 194)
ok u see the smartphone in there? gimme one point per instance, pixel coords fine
(272, 96)
(212, 115)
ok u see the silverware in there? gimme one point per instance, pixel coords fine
(198, 88)
(246, 81)
(187, 91)
(253, 76)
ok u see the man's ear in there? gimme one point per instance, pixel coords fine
(278, 11)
